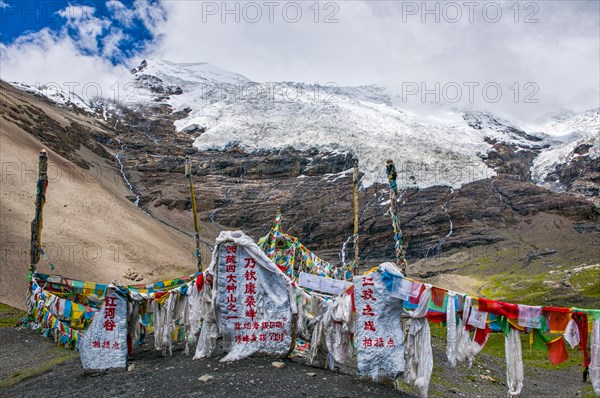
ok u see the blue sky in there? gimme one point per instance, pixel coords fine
(118, 30)
(554, 45)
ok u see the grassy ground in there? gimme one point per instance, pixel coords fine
(57, 354)
(9, 316)
(487, 377)
(553, 279)
(47, 356)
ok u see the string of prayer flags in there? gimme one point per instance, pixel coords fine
(252, 300)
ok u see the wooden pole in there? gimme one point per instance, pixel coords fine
(188, 174)
(392, 175)
(40, 200)
(356, 254)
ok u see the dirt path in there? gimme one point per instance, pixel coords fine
(32, 365)
(154, 375)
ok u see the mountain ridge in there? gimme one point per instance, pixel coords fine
(226, 109)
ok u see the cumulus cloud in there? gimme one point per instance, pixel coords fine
(152, 14)
(76, 57)
(54, 58)
(87, 27)
(542, 55)
(111, 43)
(121, 13)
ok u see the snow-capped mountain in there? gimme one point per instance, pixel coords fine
(56, 95)
(578, 136)
(98, 106)
(448, 147)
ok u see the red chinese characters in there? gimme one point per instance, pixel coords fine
(369, 317)
(368, 311)
(367, 294)
(243, 293)
(105, 344)
(231, 280)
(370, 325)
(250, 288)
(110, 306)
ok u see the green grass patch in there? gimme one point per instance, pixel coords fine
(39, 368)
(506, 276)
(587, 281)
(588, 392)
(532, 357)
(10, 316)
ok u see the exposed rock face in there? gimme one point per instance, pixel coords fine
(237, 189)
(581, 175)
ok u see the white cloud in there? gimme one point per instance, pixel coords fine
(89, 27)
(74, 62)
(383, 43)
(111, 42)
(121, 13)
(380, 43)
(47, 57)
(151, 14)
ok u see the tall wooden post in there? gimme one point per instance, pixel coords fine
(188, 174)
(355, 180)
(392, 175)
(40, 200)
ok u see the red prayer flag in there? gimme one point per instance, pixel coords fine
(437, 296)
(199, 282)
(499, 308)
(436, 317)
(482, 334)
(582, 324)
(159, 295)
(557, 350)
(557, 318)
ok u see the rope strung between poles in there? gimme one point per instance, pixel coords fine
(188, 174)
(392, 174)
(37, 223)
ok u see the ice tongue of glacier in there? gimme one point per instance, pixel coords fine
(446, 147)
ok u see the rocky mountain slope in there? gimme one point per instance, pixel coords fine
(484, 201)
